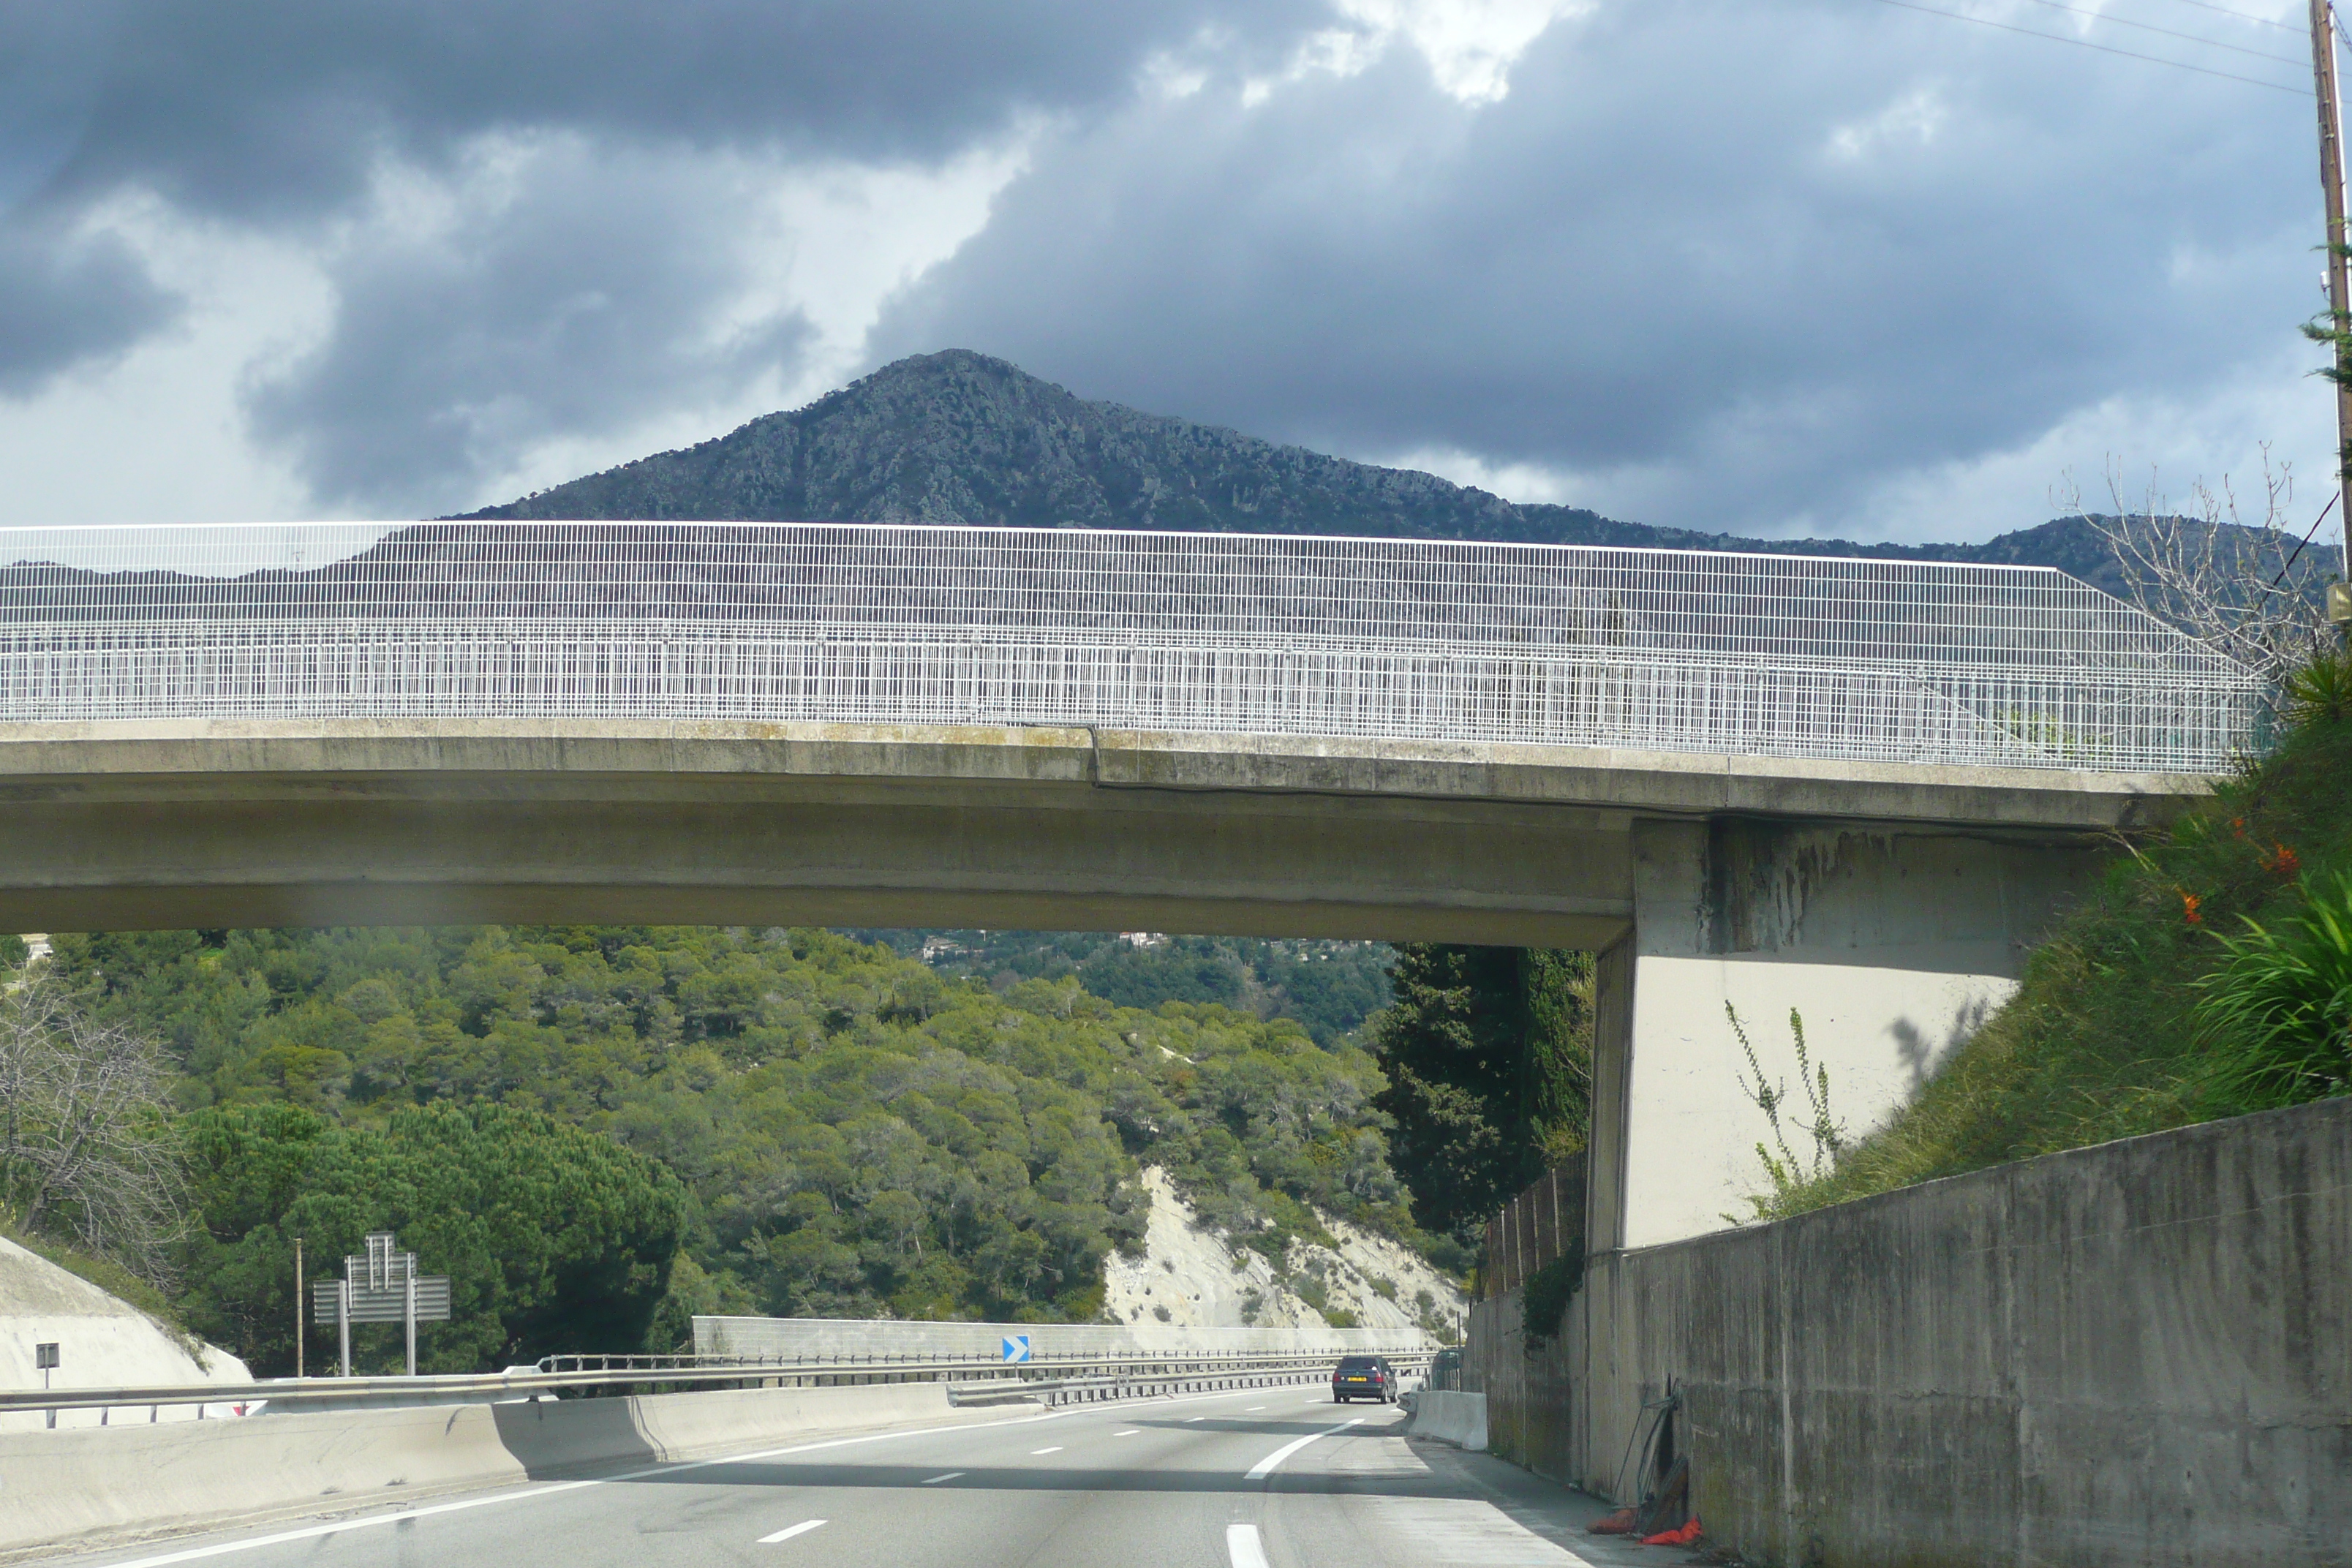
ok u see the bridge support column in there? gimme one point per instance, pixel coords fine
(1893, 944)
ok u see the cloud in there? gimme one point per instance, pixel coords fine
(276, 109)
(1710, 294)
(1803, 266)
(69, 295)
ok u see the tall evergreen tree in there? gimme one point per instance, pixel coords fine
(1488, 1055)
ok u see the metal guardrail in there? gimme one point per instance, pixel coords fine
(1223, 634)
(1045, 1376)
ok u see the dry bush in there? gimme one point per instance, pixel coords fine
(86, 1142)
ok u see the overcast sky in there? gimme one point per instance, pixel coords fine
(1778, 266)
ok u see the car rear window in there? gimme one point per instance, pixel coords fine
(1358, 1363)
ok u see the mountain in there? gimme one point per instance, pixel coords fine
(959, 437)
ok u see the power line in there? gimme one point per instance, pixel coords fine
(2167, 32)
(2242, 15)
(2102, 48)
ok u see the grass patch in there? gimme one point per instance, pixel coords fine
(2106, 1038)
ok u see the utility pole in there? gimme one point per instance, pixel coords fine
(2340, 290)
(298, 1305)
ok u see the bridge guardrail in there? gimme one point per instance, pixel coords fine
(1046, 1376)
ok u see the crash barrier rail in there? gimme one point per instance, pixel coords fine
(1671, 650)
(1045, 1375)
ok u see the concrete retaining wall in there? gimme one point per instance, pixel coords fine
(81, 1485)
(791, 1337)
(2139, 1353)
(1456, 1418)
(103, 1343)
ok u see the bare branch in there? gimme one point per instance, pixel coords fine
(2249, 588)
(85, 1140)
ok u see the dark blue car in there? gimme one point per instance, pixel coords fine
(1364, 1377)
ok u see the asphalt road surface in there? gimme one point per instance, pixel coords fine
(1269, 1477)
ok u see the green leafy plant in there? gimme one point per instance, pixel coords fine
(1545, 1296)
(1788, 1174)
(2321, 691)
(2276, 1017)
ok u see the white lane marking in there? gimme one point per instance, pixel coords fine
(1129, 1433)
(935, 1480)
(802, 1527)
(1034, 1452)
(313, 1532)
(1243, 1547)
(1189, 1419)
(1267, 1466)
(1247, 1408)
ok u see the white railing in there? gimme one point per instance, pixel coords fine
(1655, 650)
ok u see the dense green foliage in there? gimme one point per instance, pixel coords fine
(1331, 987)
(857, 1133)
(2166, 997)
(1488, 1054)
(553, 1238)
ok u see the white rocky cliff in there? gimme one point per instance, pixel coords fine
(1189, 1278)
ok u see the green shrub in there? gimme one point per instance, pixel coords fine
(2321, 691)
(2277, 1017)
(1544, 1297)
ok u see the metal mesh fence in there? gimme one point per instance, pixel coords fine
(1662, 650)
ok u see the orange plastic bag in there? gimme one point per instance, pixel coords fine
(1682, 1537)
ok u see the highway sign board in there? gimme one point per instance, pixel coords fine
(385, 1306)
(1016, 1348)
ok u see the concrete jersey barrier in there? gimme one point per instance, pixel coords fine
(1450, 1417)
(82, 1486)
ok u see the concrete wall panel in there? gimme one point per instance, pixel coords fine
(2139, 1353)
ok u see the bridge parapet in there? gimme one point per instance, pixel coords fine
(1673, 651)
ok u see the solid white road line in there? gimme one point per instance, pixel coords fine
(1273, 1461)
(1034, 1452)
(935, 1480)
(1243, 1547)
(401, 1516)
(371, 1521)
(802, 1527)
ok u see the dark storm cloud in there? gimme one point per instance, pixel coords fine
(1660, 251)
(277, 108)
(583, 304)
(67, 301)
(577, 304)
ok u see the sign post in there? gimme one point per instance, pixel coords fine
(383, 1286)
(44, 1360)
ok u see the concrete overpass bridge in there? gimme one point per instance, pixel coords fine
(1856, 787)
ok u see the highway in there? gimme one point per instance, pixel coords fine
(1268, 1478)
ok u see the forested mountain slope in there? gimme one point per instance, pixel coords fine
(834, 1128)
(959, 437)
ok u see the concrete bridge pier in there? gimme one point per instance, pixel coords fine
(1893, 943)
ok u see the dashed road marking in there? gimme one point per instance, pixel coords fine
(935, 1480)
(1034, 1452)
(1243, 1547)
(802, 1527)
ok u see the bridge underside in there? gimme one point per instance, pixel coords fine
(1890, 904)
